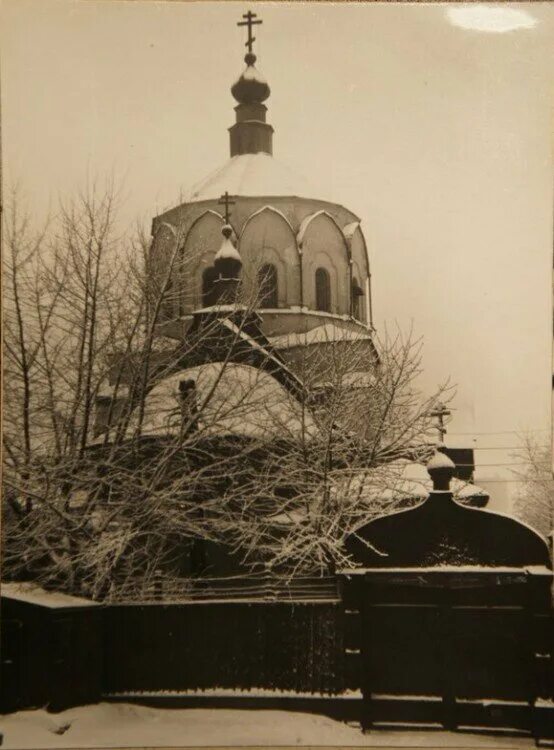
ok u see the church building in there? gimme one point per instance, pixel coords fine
(261, 273)
(303, 259)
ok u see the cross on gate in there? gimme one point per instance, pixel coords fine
(440, 412)
(226, 201)
(249, 22)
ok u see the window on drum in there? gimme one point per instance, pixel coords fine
(268, 284)
(357, 294)
(322, 290)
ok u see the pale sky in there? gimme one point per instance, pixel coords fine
(439, 137)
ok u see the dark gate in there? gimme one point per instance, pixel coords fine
(451, 649)
(451, 615)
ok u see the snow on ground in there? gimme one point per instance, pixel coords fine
(129, 725)
(28, 592)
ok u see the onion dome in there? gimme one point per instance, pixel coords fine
(228, 266)
(227, 250)
(251, 87)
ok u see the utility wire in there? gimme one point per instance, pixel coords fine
(498, 448)
(500, 432)
(523, 480)
(477, 465)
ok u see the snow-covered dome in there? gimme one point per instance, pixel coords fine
(251, 87)
(257, 174)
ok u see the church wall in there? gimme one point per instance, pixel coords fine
(282, 323)
(272, 224)
(201, 244)
(278, 323)
(294, 209)
(359, 254)
(360, 269)
(268, 238)
(163, 260)
(359, 275)
(323, 245)
(163, 245)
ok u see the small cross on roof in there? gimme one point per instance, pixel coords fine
(226, 201)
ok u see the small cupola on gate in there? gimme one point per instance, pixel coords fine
(443, 532)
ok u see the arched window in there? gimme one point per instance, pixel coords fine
(267, 277)
(357, 294)
(322, 290)
(209, 276)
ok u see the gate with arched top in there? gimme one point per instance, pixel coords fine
(448, 614)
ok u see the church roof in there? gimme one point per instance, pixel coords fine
(234, 399)
(253, 175)
(328, 332)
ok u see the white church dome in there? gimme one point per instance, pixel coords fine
(258, 174)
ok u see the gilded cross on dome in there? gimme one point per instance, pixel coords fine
(226, 201)
(250, 22)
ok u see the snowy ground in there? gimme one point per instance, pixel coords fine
(128, 725)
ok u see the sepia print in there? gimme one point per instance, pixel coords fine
(277, 466)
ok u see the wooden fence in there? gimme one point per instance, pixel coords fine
(255, 588)
(288, 646)
(318, 647)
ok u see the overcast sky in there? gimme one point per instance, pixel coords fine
(439, 137)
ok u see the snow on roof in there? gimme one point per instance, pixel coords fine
(227, 250)
(254, 344)
(349, 229)
(326, 333)
(253, 175)
(289, 517)
(251, 73)
(390, 483)
(28, 592)
(267, 207)
(440, 461)
(356, 379)
(109, 391)
(233, 399)
(308, 220)
(484, 569)
(221, 308)
(399, 480)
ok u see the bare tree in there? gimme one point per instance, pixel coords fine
(128, 459)
(359, 412)
(535, 500)
(82, 314)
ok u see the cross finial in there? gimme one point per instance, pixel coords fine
(440, 412)
(226, 201)
(250, 22)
